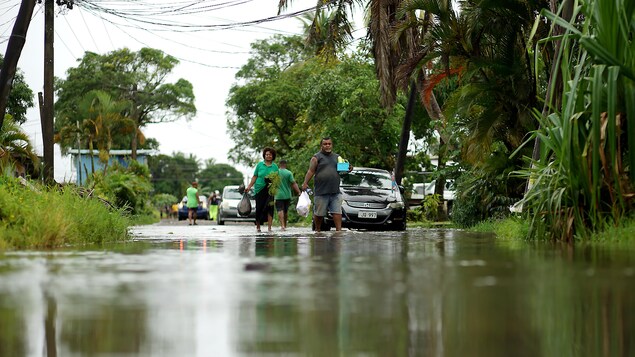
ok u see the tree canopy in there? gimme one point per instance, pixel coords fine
(20, 97)
(216, 176)
(290, 100)
(139, 78)
(174, 174)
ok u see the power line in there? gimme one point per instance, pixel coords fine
(75, 35)
(144, 15)
(88, 29)
(64, 43)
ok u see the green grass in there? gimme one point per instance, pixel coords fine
(509, 228)
(625, 233)
(517, 228)
(40, 217)
(143, 219)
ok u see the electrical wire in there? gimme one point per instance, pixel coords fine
(147, 15)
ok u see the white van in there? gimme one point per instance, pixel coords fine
(420, 190)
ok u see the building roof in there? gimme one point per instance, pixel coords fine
(115, 152)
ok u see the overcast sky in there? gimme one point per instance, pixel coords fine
(209, 57)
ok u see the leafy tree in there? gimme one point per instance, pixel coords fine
(270, 102)
(216, 176)
(163, 200)
(15, 146)
(343, 100)
(290, 102)
(20, 97)
(173, 174)
(138, 77)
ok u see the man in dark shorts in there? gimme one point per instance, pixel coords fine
(283, 196)
(327, 185)
(192, 202)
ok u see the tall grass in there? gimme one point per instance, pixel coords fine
(41, 217)
(583, 181)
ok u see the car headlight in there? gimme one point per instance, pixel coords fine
(396, 205)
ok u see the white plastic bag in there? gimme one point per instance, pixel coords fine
(304, 204)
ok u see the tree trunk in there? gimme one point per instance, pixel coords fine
(405, 134)
(434, 112)
(12, 54)
(135, 117)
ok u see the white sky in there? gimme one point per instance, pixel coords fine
(209, 60)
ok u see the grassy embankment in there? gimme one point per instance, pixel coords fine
(518, 228)
(40, 217)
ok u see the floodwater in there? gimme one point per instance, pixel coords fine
(212, 290)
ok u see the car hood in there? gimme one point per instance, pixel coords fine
(367, 194)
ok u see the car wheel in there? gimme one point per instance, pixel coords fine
(399, 226)
(219, 218)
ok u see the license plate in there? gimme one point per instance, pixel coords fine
(367, 214)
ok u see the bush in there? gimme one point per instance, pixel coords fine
(127, 188)
(28, 220)
(466, 211)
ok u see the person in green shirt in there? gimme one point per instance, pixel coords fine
(283, 196)
(261, 184)
(192, 202)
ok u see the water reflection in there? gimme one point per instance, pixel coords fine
(418, 293)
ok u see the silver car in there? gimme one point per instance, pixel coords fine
(371, 201)
(227, 208)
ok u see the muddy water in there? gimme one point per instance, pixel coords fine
(225, 291)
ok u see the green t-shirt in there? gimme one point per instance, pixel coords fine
(261, 172)
(286, 180)
(192, 202)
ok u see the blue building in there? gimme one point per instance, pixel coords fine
(83, 167)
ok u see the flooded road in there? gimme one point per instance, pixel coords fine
(209, 290)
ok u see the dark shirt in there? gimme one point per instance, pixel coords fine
(326, 179)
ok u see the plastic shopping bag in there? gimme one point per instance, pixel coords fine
(395, 188)
(244, 206)
(304, 204)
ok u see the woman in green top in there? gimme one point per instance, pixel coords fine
(261, 185)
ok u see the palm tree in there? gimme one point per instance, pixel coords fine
(15, 147)
(102, 122)
(106, 120)
(326, 33)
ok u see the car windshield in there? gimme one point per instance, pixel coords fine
(367, 179)
(232, 194)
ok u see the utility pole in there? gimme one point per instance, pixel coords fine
(47, 107)
(79, 157)
(12, 55)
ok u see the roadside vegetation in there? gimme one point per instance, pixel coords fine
(36, 216)
(526, 104)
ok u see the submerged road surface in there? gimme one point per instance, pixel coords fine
(209, 290)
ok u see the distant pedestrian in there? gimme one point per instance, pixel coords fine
(261, 184)
(326, 185)
(174, 213)
(283, 196)
(192, 203)
(214, 200)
